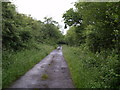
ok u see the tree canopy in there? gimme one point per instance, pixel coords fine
(97, 24)
(20, 30)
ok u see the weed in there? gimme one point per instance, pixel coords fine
(44, 76)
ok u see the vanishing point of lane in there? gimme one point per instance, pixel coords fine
(51, 72)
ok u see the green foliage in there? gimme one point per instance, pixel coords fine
(98, 30)
(51, 31)
(25, 42)
(19, 29)
(97, 24)
(15, 64)
(91, 70)
(71, 36)
(72, 17)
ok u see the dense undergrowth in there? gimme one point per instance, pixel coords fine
(89, 70)
(15, 64)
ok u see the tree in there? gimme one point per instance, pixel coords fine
(72, 17)
(19, 29)
(104, 19)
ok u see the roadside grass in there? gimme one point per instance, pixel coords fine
(89, 70)
(16, 64)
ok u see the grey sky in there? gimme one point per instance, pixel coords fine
(39, 9)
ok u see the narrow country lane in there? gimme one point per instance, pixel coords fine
(51, 72)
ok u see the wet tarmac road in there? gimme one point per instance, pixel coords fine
(51, 72)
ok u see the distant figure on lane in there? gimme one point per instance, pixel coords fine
(59, 47)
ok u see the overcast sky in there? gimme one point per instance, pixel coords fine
(39, 9)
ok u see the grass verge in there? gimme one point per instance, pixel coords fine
(89, 70)
(16, 64)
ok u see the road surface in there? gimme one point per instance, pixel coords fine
(51, 72)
